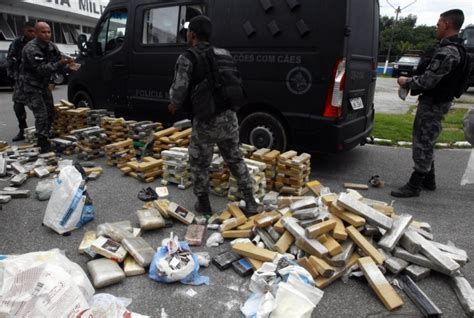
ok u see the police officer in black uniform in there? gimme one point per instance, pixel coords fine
(13, 70)
(440, 82)
(40, 59)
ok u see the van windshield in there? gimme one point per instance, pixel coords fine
(409, 59)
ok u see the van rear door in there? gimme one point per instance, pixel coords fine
(361, 61)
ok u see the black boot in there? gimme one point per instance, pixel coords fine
(43, 143)
(203, 205)
(251, 206)
(20, 136)
(412, 188)
(429, 183)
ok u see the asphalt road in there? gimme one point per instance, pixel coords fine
(448, 210)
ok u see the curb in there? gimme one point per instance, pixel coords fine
(408, 144)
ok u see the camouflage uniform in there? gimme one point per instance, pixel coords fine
(222, 130)
(433, 105)
(13, 70)
(39, 61)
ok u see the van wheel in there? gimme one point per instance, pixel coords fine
(263, 130)
(82, 99)
(59, 78)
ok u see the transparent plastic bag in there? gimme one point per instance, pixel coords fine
(173, 263)
(468, 177)
(44, 189)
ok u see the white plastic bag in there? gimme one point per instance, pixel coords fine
(43, 284)
(468, 177)
(259, 305)
(296, 298)
(469, 126)
(214, 240)
(67, 209)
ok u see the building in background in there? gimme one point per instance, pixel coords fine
(67, 18)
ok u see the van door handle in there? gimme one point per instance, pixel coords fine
(119, 65)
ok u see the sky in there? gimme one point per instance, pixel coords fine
(428, 11)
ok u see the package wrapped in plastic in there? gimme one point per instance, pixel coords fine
(150, 219)
(215, 240)
(141, 251)
(204, 259)
(116, 233)
(175, 262)
(30, 279)
(131, 267)
(44, 189)
(469, 126)
(109, 248)
(124, 225)
(105, 272)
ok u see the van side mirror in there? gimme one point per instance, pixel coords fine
(82, 43)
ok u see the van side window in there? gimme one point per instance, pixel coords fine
(112, 31)
(165, 25)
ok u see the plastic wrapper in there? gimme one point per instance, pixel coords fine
(105, 272)
(204, 259)
(468, 177)
(402, 93)
(141, 251)
(109, 306)
(150, 219)
(295, 298)
(292, 285)
(116, 233)
(215, 239)
(469, 126)
(29, 280)
(175, 262)
(44, 189)
(124, 225)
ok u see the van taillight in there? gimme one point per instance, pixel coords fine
(332, 108)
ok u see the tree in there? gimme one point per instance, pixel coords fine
(404, 46)
(406, 36)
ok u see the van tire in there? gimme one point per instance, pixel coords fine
(263, 130)
(82, 99)
(59, 78)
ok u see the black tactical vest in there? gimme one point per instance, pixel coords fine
(447, 87)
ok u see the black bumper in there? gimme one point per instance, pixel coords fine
(330, 136)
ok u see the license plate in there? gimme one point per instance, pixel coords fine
(356, 103)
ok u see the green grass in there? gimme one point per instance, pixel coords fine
(398, 127)
(384, 75)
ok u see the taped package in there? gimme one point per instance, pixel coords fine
(116, 233)
(150, 219)
(109, 248)
(105, 272)
(141, 251)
